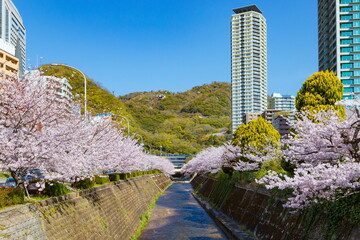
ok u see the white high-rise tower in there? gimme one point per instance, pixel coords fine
(12, 33)
(248, 63)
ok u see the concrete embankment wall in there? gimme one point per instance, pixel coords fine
(254, 209)
(110, 211)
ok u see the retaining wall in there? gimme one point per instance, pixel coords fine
(265, 217)
(110, 211)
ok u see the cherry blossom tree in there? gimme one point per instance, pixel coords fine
(38, 130)
(325, 151)
(209, 160)
(28, 106)
(248, 158)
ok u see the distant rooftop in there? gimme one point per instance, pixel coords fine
(278, 95)
(247, 9)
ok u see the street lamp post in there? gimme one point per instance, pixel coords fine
(85, 85)
(142, 140)
(127, 120)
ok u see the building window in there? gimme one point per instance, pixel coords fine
(346, 17)
(348, 90)
(345, 9)
(356, 24)
(356, 40)
(346, 49)
(356, 15)
(346, 65)
(357, 73)
(346, 25)
(345, 1)
(356, 32)
(356, 48)
(346, 57)
(356, 8)
(346, 33)
(348, 82)
(347, 74)
(7, 25)
(357, 81)
(347, 41)
(356, 56)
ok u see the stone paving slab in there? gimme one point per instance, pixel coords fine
(178, 216)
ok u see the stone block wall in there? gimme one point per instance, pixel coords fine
(263, 215)
(110, 211)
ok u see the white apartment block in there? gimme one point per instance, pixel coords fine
(12, 33)
(282, 102)
(248, 63)
(65, 88)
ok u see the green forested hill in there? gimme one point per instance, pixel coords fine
(173, 123)
(183, 123)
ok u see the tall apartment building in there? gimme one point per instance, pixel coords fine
(339, 42)
(12, 33)
(248, 63)
(282, 102)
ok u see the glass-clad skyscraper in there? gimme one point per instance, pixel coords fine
(12, 33)
(339, 42)
(248, 63)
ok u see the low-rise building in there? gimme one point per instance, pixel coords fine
(282, 122)
(269, 115)
(251, 116)
(9, 64)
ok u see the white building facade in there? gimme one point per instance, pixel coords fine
(248, 63)
(339, 42)
(65, 88)
(282, 102)
(13, 33)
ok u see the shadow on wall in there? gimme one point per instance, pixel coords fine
(265, 216)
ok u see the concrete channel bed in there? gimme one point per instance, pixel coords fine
(178, 216)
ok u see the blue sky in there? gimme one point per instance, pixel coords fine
(144, 45)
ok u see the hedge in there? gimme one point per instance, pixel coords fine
(122, 176)
(103, 179)
(54, 189)
(84, 184)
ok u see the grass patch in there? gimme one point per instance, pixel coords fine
(4, 175)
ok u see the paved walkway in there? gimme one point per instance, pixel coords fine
(178, 216)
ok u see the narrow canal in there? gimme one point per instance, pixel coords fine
(177, 215)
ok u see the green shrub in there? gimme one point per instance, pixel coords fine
(114, 177)
(128, 175)
(122, 176)
(4, 175)
(260, 173)
(84, 184)
(222, 176)
(54, 189)
(101, 179)
(11, 196)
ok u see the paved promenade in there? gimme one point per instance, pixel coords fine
(177, 215)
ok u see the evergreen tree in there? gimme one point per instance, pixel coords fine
(258, 135)
(320, 92)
